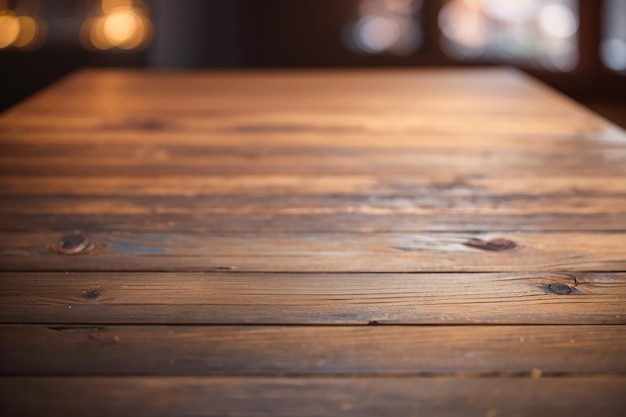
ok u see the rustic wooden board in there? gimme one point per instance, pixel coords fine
(305, 220)
(503, 351)
(219, 298)
(375, 101)
(398, 121)
(450, 210)
(277, 185)
(498, 157)
(329, 252)
(142, 139)
(215, 244)
(320, 396)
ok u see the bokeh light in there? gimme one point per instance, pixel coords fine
(613, 48)
(20, 31)
(108, 6)
(390, 26)
(614, 54)
(121, 25)
(9, 28)
(27, 33)
(464, 24)
(510, 10)
(403, 7)
(535, 32)
(558, 20)
(376, 33)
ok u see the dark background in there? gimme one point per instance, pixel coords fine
(280, 33)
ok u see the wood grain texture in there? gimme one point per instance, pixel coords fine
(319, 101)
(444, 208)
(329, 252)
(232, 298)
(307, 220)
(192, 186)
(188, 243)
(294, 350)
(351, 152)
(232, 396)
(427, 156)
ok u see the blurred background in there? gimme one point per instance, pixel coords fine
(577, 46)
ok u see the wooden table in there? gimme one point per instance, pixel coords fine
(316, 243)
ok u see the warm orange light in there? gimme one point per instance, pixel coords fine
(110, 5)
(96, 34)
(141, 36)
(9, 28)
(22, 32)
(121, 26)
(29, 32)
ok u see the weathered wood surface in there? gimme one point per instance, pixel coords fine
(379, 101)
(318, 396)
(294, 350)
(232, 298)
(314, 214)
(315, 252)
(216, 244)
(377, 151)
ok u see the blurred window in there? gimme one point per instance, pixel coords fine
(542, 33)
(386, 26)
(613, 48)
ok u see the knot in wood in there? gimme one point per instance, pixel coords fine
(91, 295)
(496, 245)
(73, 244)
(560, 289)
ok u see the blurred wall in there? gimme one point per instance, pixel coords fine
(196, 33)
(334, 33)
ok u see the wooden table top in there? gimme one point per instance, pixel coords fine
(311, 243)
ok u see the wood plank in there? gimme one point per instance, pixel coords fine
(143, 161)
(442, 208)
(371, 350)
(259, 175)
(322, 220)
(262, 146)
(400, 100)
(278, 185)
(209, 86)
(322, 252)
(231, 396)
(141, 133)
(215, 118)
(445, 199)
(220, 298)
